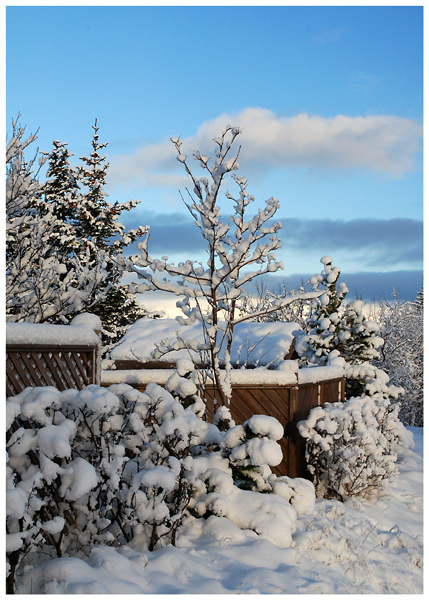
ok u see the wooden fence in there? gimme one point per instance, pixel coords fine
(63, 367)
(289, 405)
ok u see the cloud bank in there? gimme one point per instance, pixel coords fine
(371, 242)
(367, 285)
(384, 144)
(374, 241)
(388, 253)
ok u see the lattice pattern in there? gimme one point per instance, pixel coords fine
(63, 368)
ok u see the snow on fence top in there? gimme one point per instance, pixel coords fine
(44, 334)
(253, 377)
(254, 344)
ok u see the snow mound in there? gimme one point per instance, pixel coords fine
(254, 344)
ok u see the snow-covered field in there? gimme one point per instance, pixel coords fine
(366, 546)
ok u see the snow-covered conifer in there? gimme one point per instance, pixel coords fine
(251, 449)
(335, 325)
(64, 241)
(60, 195)
(40, 286)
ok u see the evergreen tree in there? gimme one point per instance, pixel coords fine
(60, 196)
(97, 219)
(45, 281)
(338, 326)
(118, 310)
(98, 226)
(64, 241)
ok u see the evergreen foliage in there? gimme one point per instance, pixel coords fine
(65, 243)
(40, 285)
(337, 325)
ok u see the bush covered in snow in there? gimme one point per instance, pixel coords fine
(117, 466)
(95, 466)
(352, 447)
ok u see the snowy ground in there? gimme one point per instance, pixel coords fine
(369, 547)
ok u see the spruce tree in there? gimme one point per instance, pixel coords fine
(97, 219)
(336, 325)
(45, 281)
(97, 224)
(60, 196)
(64, 240)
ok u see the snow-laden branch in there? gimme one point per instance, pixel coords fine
(239, 250)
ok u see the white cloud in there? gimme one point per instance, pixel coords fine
(385, 144)
(150, 165)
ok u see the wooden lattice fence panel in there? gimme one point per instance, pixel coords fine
(62, 367)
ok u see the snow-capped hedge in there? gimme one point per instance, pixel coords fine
(113, 466)
(352, 447)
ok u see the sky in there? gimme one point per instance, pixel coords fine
(329, 99)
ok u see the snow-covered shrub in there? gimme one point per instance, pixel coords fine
(235, 482)
(402, 356)
(95, 466)
(114, 466)
(271, 515)
(366, 379)
(352, 447)
(251, 449)
(182, 387)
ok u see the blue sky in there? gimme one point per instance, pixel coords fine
(330, 100)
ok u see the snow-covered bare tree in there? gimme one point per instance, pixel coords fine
(238, 251)
(401, 325)
(21, 174)
(261, 303)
